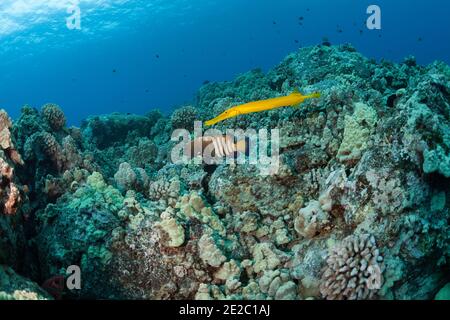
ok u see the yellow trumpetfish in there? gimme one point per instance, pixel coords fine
(294, 99)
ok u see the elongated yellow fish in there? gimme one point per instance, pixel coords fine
(213, 148)
(294, 99)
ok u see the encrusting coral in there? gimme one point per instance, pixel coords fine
(357, 210)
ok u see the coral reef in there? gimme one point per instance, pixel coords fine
(358, 209)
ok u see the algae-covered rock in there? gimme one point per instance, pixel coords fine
(15, 287)
(444, 293)
(357, 208)
(174, 231)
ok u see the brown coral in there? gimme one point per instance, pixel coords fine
(165, 190)
(354, 270)
(9, 193)
(13, 199)
(10, 197)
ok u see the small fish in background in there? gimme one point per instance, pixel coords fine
(326, 42)
(419, 39)
(294, 100)
(214, 148)
(157, 56)
(274, 22)
(296, 41)
(114, 70)
(361, 32)
(54, 286)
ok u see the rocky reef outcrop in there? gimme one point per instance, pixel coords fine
(359, 208)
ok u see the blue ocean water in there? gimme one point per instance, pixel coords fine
(137, 55)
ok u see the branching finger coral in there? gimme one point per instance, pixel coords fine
(354, 269)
